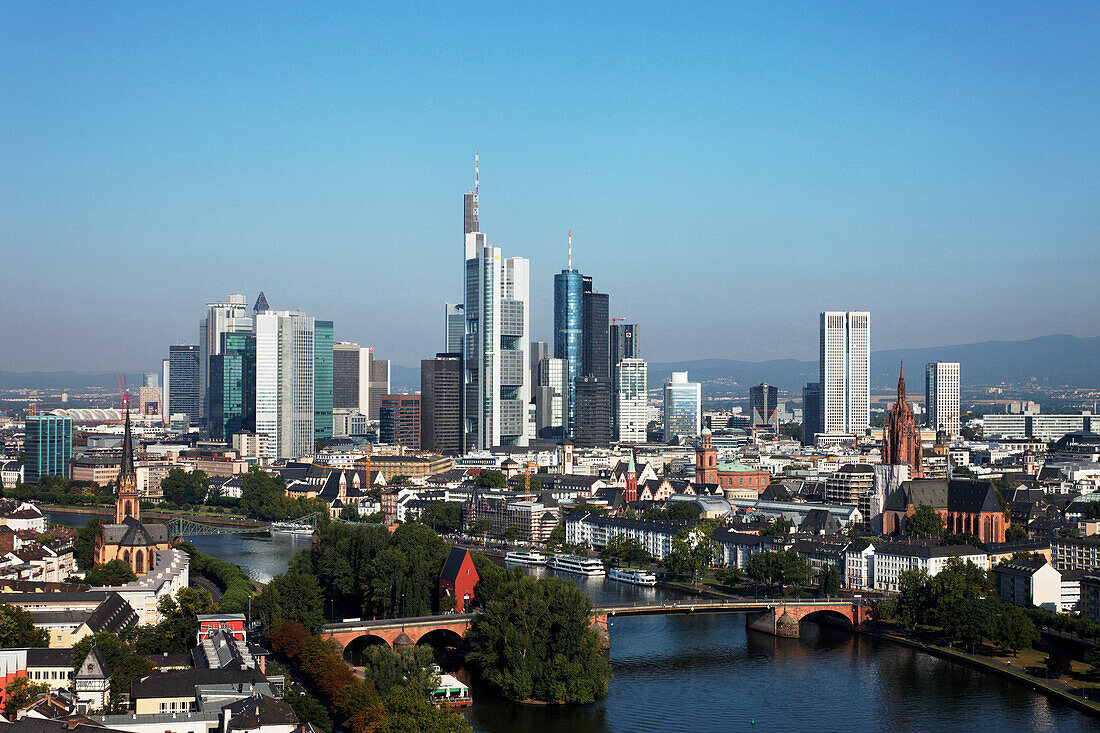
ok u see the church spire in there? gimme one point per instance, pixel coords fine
(901, 383)
(127, 468)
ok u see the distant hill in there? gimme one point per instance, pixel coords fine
(65, 380)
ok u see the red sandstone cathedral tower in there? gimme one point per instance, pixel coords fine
(901, 438)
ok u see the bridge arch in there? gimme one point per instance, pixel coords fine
(829, 617)
(353, 652)
(442, 639)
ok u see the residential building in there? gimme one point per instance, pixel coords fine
(233, 386)
(894, 558)
(683, 410)
(941, 397)
(763, 406)
(399, 420)
(596, 531)
(631, 400)
(181, 385)
(441, 404)
(230, 315)
(285, 365)
(1029, 583)
(1090, 598)
(845, 371)
(48, 445)
(593, 426)
(1076, 553)
(323, 355)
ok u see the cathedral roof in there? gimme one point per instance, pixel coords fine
(133, 533)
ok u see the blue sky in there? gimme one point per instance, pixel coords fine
(728, 170)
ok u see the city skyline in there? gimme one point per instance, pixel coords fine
(293, 154)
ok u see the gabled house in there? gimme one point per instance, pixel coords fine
(458, 579)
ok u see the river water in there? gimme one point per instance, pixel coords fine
(707, 672)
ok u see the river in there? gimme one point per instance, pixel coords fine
(706, 672)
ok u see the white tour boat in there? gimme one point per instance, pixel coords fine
(577, 565)
(525, 557)
(632, 576)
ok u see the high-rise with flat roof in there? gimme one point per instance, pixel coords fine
(597, 359)
(233, 386)
(624, 343)
(228, 316)
(399, 420)
(569, 336)
(182, 386)
(47, 446)
(683, 407)
(441, 404)
(350, 377)
(845, 371)
(322, 379)
(631, 400)
(764, 405)
(594, 425)
(811, 412)
(285, 363)
(454, 319)
(379, 383)
(941, 396)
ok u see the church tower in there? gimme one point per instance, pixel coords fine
(706, 460)
(631, 493)
(901, 437)
(128, 503)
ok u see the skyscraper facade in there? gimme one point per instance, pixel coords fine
(441, 404)
(624, 343)
(285, 363)
(550, 398)
(379, 383)
(228, 316)
(763, 406)
(941, 396)
(569, 337)
(322, 379)
(683, 407)
(350, 377)
(454, 318)
(811, 412)
(631, 400)
(597, 359)
(182, 385)
(539, 350)
(594, 425)
(233, 386)
(497, 362)
(845, 371)
(47, 446)
(399, 420)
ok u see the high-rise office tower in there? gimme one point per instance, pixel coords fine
(764, 405)
(811, 412)
(539, 350)
(399, 420)
(182, 387)
(624, 343)
(569, 336)
(594, 425)
(285, 364)
(229, 316)
(597, 360)
(941, 396)
(497, 362)
(454, 317)
(550, 394)
(630, 400)
(441, 404)
(47, 446)
(845, 371)
(683, 407)
(233, 387)
(379, 383)
(350, 377)
(322, 379)
(150, 379)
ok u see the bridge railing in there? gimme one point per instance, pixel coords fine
(731, 602)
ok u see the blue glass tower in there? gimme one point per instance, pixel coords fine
(569, 337)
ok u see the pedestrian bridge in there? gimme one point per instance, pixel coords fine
(776, 616)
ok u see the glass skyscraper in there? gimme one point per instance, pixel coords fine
(233, 386)
(48, 446)
(182, 388)
(322, 380)
(683, 407)
(569, 337)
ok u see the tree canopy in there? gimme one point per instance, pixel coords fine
(293, 597)
(490, 479)
(17, 629)
(925, 522)
(125, 664)
(185, 487)
(84, 544)
(778, 568)
(113, 573)
(692, 553)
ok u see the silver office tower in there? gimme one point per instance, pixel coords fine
(845, 371)
(229, 316)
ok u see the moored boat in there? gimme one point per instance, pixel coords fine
(525, 557)
(632, 576)
(577, 565)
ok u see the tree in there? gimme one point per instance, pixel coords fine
(962, 538)
(480, 527)
(778, 526)
(308, 710)
(792, 430)
(729, 576)
(853, 531)
(125, 664)
(511, 533)
(828, 583)
(442, 516)
(113, 573)
(175, 634)
(534, 641)
(677, 511)
(490, 479)
(626, 549)
(399, 480)
(1014, 630)
(17, 629)
(1017, 532)
(914, 601)
(692, 553)
(185, 487)
(350, 513)
(925, 522)
(84, 544)
(408, 711)
(557, 535)
(404, 575)
(386, 669)
(778, 568)
(19, 692)
(291, 597)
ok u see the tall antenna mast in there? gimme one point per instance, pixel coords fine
(477, 175)
(570, 249)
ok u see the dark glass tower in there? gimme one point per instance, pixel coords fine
(233, 386)
(569, 335)
(322, 380)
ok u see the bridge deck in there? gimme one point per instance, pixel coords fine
(714, 604)
(394, 623)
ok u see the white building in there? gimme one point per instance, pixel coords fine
(550, 393)
(941, 396)
(891, 559)
(1029, 583)
(845, 371)
(630, 400)
(351, 377)
(497, 346)
(683, 407)
(1040, 427)
(284, 383)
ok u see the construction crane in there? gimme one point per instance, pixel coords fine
(613, 320)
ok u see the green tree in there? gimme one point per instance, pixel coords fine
(777, 568)
(175, 634)
(490, 479)
(84, 544)
(399, 480)
(185, 487)
(557, 535)
(511, 533)
(828, 583)
(125, 664)
(626, 549)
(692, 553)
(914, 601)
(408, 711)
(308, 710)
(1014, 630)
(350, 513)
(19, 692)
(386, 669)
(17, 629)
(925, 522)
(113, 573)
(1017, 532)
(480, 527)
(677, 511)
(534, 640)
(292, 597)
(404, 575)
(442, 516)
(777, 527)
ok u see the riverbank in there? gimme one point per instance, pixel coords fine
(167, 515)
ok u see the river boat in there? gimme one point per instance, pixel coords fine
(577, 565)
(451, 692)
(632, 576)
(290, 528)
(525, 557)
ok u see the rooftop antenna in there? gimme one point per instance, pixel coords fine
(570, 249)
(477, 175)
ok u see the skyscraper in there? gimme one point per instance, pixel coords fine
(550, 398)
(399, 420)
(229, 316)
(379, 383)
(322, 379)
(497, 362)
(764, 404)
(631, 400)
(184, 396)
(597, 360)
(569, 337)
(233, 386)
(811, 412)
(539, 350)
(454, 318)
(683, 403)
(285, 364)
(941, 396)
(350, 377)
(594, 426)
(48, 446)
(845, 371)
(441, 404)
(624, 343)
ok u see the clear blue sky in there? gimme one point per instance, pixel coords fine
(728, 170)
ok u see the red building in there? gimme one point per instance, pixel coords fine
(966, 507)
(901, 438)
(458, 578)
(706, 460)
(212, 623)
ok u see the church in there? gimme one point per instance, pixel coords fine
(129, 539)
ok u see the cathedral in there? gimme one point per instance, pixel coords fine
(901, 436)
(129, 539)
